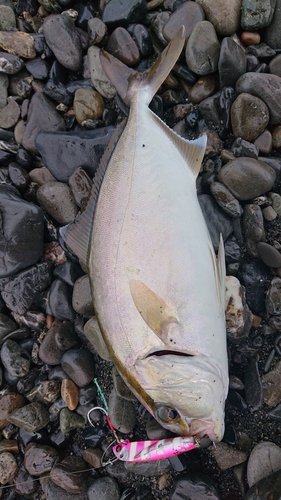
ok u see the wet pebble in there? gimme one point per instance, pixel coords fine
(269, 255)
(8, 467)
(254, 276)
(202, 49)
(57, 199)
(122, 46)
(10, 64)
(122, 413)
(19, 43)
(80, 184)
(226, 200)
(9, 115)
(194, 486)
(119, 13)
(255, 14)
(59, 301)
(104, 488)
(271, 382)
(187, 15)
(253, 385)
(273, 297)
(24, 484)
(47, 392)
(63, 39)
(264, 142)
(266, 487)
(8, 403)
(154, 468)
(51, 349)
(227, 456)
(82, 298)
(68, 474)
(53, 492)
(223, 14)
(88, 105)
(202, 89)
(79, 365)
(70, 393)
(232, 62)
(70, 420)
(15, 359)
(247, 178)
(249, 117)
(30, 417)
(39, 459)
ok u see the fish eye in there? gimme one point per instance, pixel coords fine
(167, 414)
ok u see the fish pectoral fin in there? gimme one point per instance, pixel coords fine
(220, 272)
(156, 313)
(94, 335)
(77, 234)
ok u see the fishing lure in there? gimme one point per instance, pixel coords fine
(145, 451)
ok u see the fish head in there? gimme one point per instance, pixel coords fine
(189, 393)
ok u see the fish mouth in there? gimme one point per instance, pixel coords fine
(167, 352)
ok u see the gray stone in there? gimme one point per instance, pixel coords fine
(226, 200)
(232, 62)
(271, 382)
(265, 86)
(4, 84)
(82, 301)
(47, 392)
(63, 39)
(268, 487)
(99, 79)
(273, 297)
(247, 178)
(39, 459)
(7, 18)
(31, 417)
(202, 49)
(122, 413)
(120, 13)
(187, 15)
(223, 14)
(104, 488)
(272, 34)
(240, 147)
(269, 255)
(256, 14)
(264, 459)
(54, 492)
(69, 420)
(9, 115)
(42, 116)
(253, 223)
(249, 117)
(7, 325)
(275, 65)
(57, 199)
(8, 467)
(217, 220)
(79, 365)
(154, 468)
(96, 30)
(121, 388)
(194, 486)
(158, 23)
(226, 456)
(15, 359)
(10, 64)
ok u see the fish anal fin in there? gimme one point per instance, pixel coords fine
(77, 235)
(192, 151)
(156, 313)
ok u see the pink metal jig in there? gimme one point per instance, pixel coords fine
(145, 451)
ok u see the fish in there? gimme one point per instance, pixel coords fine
(158, 287)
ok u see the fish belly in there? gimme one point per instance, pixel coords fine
(148, 226)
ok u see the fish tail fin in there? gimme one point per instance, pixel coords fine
(127, 81)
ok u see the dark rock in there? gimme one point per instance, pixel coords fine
(122, 46)
(261, 51)
(60, 300)
(79, 365)
(87, 394)
(64, 474)
(194, 486)
(24, 484)
(57, 199)
(253, 385)
(232, 250)
(249, 117)
(235, 399)
(121, 13)
(62, 37)
(39, 68)
(54, 492)
(273, 297)
(39, 459)
(241, 148)
(264, 459)
(85, 14)
(232, 62)
(202, 49)
(253, 223)
(19, 293)
(18, 176)
(217, 221)
(8, 403)
(226, 200)
(20, 220)
(187, 15)
(122, 413)
(58, 339)
(141, 36)
(154, 468)
(82, 301)
(7, 325)
(104, 488)
(31, 417)
(42, 116)
(68, 272)
(63, 153)
(15, 359)
(10, 64)
(254, 276)
(256, 14)
(93, 436)
(269, 255)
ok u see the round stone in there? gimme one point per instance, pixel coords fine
(15, 359)
(275, 65)
(82, 298)
(247, 178)
(99, 79)
(249, 117)
(31, 417)
(63, 39)
(9, 115)
(70, 393)
(79, 365)
(122, 46)
(257, 14)
(57, 199)
(273, 297)
(264, 459)
(250, 38)
(19, 43)
(223, 14)
(187, 15)
(194, 486)
(202, 89)
(104, 488)
(8, 403)
(232, 62)
(269, 255)
(226, 200)
(8, 467)
(202, 49)
(68, 474)
(264, 142)
(276, 137)
(39, 459)
(70, 420)
(88, 105)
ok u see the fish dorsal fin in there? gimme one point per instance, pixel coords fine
(77, 235)
(220, 272)
(192, 151)
(127, 81)
(157, 314)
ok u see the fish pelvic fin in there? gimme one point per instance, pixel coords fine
(156, 313)
(127, 81)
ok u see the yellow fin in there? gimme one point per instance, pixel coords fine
(154, 310)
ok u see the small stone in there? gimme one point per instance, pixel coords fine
(276, 202)
(273, 297)
(93, 457)
(269, 255)
(8, 403)
(96, 30)
(104, 488)
(59, 301)
(80, 184)
(82, 301)
(202, 89)
(70, 393)
(264, 142)
(247, 178)
(15, 359)
(122, 46)
(253, 223)
(202, 49)
(256, 14)
(69, 272)
(267, 487)
(69, 420)
(88, 105)
(241, 148)
(31, 417)
(226, 456)
(192, 486)
(274, 65)
(39, 459)
(237, 313)
(253, 385)
(4, 84)
(79, 365)
(10, 64)
(249, 117)
(99, 79)
(64, 474)
(50, 352)
(41, 176)
(9, 115)
(264, 459)
(187, 15)
(19, 43)
(7, 17)
(226, 200)
(8, 467)
(23, 482)
(232, 63)
(269, 214)
(158, 23)
(141, 36)
(250, 38)
(276, 137)
(57, 199)
(147, 469)
(122, 413)
(223, 14)
(63, 39)
(119, 13)
(47, 392)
